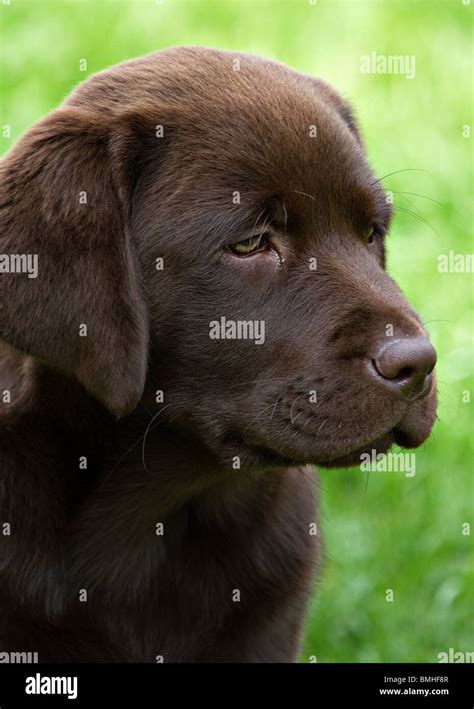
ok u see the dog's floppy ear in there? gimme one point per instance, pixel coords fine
(65, 193)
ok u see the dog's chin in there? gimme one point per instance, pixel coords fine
(406, 436)
(378, 446)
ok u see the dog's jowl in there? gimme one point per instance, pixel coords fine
(158, 426)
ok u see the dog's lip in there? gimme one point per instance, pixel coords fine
(401, 435)
(380, 445)
(410, 432)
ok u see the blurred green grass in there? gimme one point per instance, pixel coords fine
(387, 532)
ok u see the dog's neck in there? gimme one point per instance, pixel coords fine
(128, 481)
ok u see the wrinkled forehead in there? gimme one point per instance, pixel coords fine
(297, 162)
(262, 144)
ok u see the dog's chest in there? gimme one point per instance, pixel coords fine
(227, 581)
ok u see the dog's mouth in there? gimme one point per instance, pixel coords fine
(341, 445)
(379, 446)
(271, 457)
(400, 436)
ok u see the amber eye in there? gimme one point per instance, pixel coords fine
(370, 235)
(250, 246)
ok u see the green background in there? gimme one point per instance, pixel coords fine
(387, 531)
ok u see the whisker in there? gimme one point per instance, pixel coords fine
(417, 216)
(124, 456)
(291, 408)
(274, 408)
(305, 194)
(397, 172)
(309, 487)
(256, 222)
(286, 216)
(417, 194)
(146, 433)
(427, 322)
(260, 413)
(415, 208)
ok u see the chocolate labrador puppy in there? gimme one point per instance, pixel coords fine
(194, 309)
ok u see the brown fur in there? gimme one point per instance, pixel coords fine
(171, 197)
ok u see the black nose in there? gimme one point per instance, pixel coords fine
(405, 366)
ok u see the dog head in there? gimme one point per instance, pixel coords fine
(213, 214)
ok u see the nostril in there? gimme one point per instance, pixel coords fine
(393, 374)
(405, 373)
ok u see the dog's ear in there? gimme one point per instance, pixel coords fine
(65, 195)
(343, 108)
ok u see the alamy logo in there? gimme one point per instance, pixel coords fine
(19, 263)
(18, 658)
(455, 263)
(373, 63)
(224, 329)
(41, 684)
(455, 657)
(374, 462)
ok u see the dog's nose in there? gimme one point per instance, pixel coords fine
(405, 366)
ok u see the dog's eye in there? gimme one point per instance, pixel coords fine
(371, 234)
(251, 245)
